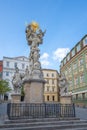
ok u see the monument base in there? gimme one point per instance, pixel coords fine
(16, 98)
(34, 91)
(65, 100)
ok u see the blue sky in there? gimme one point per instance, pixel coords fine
(65, 22)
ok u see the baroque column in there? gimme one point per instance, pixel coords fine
(34, 81)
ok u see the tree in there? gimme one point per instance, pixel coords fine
(4, 87)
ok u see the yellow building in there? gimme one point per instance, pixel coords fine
(74, 66)
(51, 89)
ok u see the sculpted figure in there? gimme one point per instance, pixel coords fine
(40, 35)
(34, 34)
(36, 56)
(37, 72)
(34, 37)
(26, 75)
(37, 66)
(63, 84)
(31, 66)
(17, 81)
(26, 71)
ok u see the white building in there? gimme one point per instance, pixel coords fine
(9, 65)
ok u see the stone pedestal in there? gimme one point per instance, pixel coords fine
(65, 100)
(34, 91)
(16, 98)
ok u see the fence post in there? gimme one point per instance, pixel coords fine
(74, 110)
(8, 110)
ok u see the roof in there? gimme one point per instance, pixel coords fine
(49, 70)
(74, 47)
(16, 58)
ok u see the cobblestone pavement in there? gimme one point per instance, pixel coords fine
(80, 112)
(3, 112)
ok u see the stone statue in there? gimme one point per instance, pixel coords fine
(63, 85)
(26, 74)
(34, 36)
(17, 81)
(36, 56)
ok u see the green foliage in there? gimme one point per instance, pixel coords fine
(4, 87)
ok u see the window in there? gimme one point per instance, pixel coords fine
(81, 78)
(76, 96)
(53, 98)
(15, 64)
(47, 88)
(53, 88)
(52, 75)
(74, 66)
(81, 62)
(23, 66)
(52, 81)
(83, 95)
(73, 52)
(76, 81)
(68, 57)
(78, 48)
(47, 81)
(7, 63)
(85, 41)
(65, 61)
(47, 75)
(47, 98)
(7, 73)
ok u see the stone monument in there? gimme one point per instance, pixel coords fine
(17, 83)
(33, 80)
(65, 97)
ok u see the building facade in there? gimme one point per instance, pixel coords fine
(1, 69)
(74, 66)
(51, 88)
(9, 65)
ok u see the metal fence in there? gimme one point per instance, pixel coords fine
(29, 111)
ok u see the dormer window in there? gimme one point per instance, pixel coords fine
(78, 48)
(85, 42)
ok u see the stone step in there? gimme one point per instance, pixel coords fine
(23, 124)
(40, 120)
(81, 126)
(75, 129)
(50, 125)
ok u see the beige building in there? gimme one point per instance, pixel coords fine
(51, 89)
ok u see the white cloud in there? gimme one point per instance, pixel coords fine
(60, 53)
(45, 63)
(44, 56)
(44, 59)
